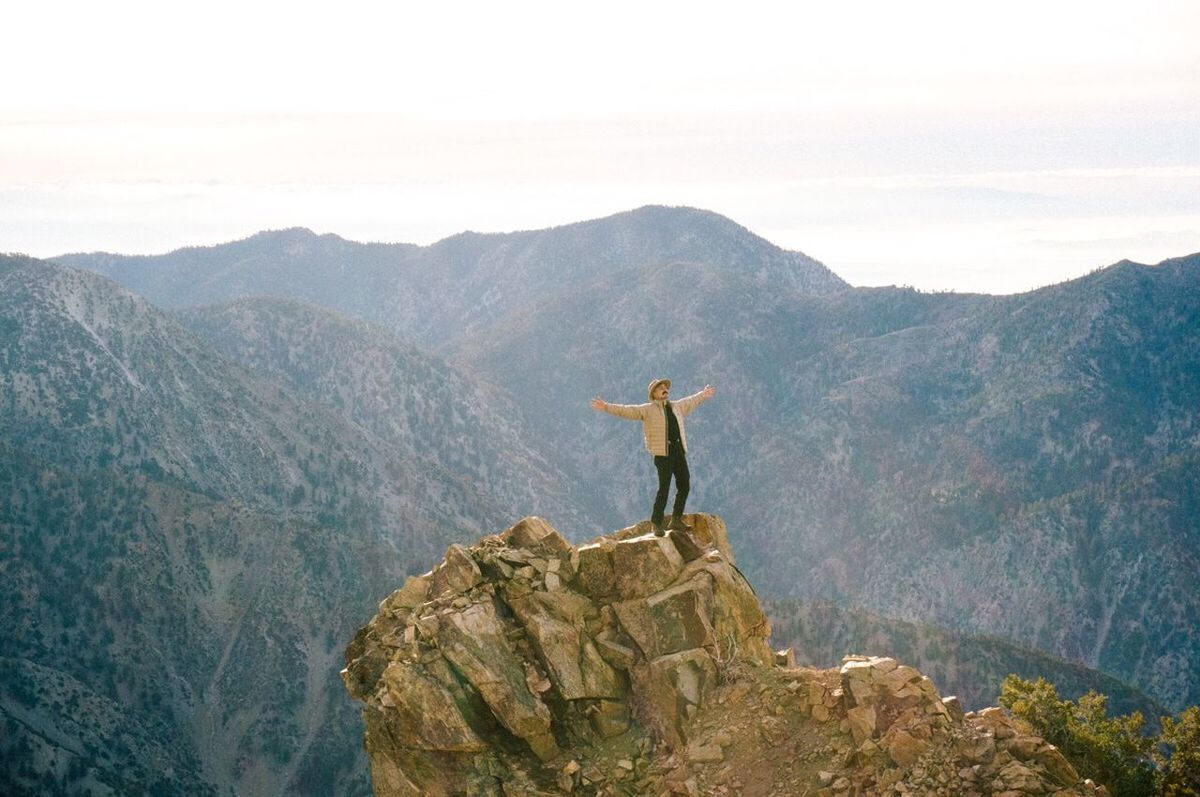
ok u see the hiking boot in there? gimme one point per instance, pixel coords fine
(658, 529)
(677, 524)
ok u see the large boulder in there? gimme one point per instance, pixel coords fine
(475, 642)
(535, 534)
(572, 659)
(671, 690)
(457, 573)
(511, 648)
(675, 619)
(644, 565)
(424, 714)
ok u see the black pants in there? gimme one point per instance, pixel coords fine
(674, 464)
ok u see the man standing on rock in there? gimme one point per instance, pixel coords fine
(662, 428)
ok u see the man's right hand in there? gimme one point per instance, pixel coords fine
(598, 404)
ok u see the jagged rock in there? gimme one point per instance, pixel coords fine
(594, 575)
(609, 718)
(458, 573)
(980, 749)
(414, 592)
(739, 624)
(423, 714)
(634, 665)
(615, 653)
(474, 641)
(710, 532)
(535, 534)
(1020, 778)
(902, 747)
(671, 689)
(571, 657)
(670, 621)
(1056, 765)
(687, 546)
(861, 722)
(644, 565)
(1023, 747)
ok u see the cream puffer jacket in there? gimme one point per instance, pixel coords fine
(653, 416)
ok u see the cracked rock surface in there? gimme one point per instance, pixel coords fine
(638, 664)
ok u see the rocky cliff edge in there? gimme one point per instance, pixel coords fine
(639, 665)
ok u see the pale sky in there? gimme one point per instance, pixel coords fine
(944, 145)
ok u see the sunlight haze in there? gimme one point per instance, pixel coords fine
(936, 144)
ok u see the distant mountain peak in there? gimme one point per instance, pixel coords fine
(467, 282)
(285, 233)
(669, 216)
(296, 235)
(678, 212)
(675, 217)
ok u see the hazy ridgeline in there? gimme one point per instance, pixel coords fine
(207, 487)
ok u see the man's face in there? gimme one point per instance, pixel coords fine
(661, 392)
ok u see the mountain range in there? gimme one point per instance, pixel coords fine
(187, 543)
(1023, 467)
(458, 287)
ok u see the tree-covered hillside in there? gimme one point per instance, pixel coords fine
(159, 641)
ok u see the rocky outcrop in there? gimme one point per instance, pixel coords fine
(638, 664)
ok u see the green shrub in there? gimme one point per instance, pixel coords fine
(1114, 751)
(1179, 754)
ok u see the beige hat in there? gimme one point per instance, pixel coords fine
(655, 383)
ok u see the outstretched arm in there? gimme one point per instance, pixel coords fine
(631, 411)
(689, 403)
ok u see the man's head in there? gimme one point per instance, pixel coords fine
(659, 389)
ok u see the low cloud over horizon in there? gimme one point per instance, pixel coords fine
(935, 145)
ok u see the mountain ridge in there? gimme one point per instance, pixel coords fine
(183, 541)
(983, 400)
(461, 284)
(96, 374)
(430, 412)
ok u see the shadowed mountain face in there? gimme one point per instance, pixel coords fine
(95, 377)
(427, 412)
(184, 544)
(157, 641)
(1042, 453)
(460, 286)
